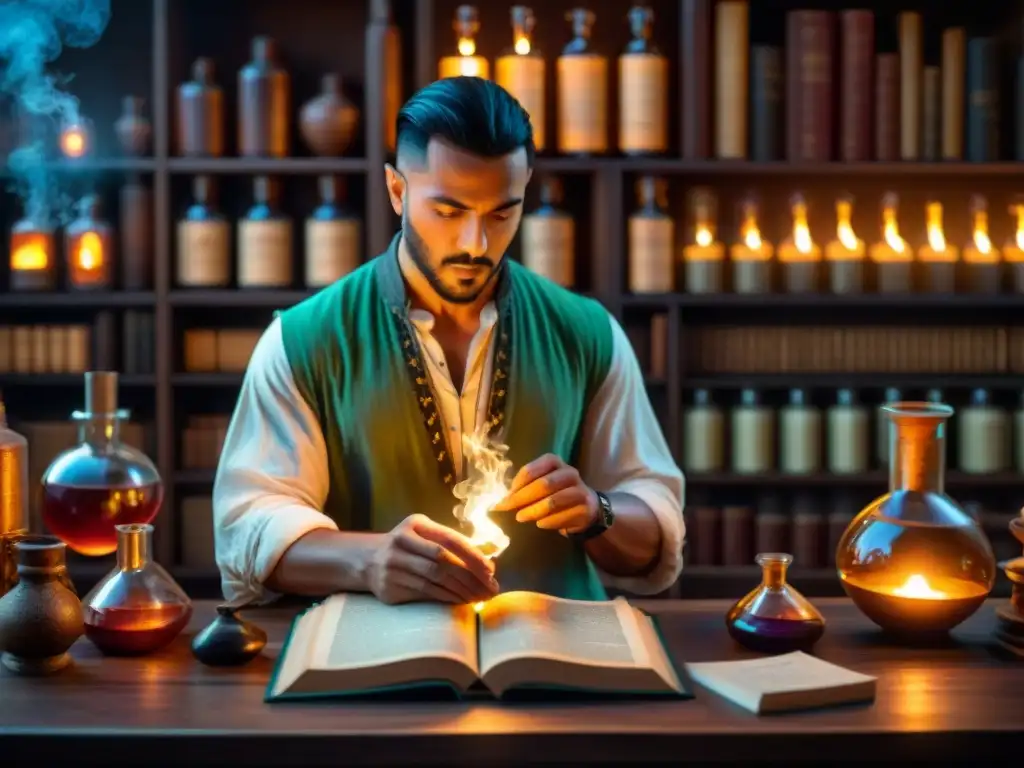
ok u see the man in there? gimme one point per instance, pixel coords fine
(346, 441)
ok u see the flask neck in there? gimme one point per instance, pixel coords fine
(773, 574)
(100, 430)
(133, 545)
(918, 455)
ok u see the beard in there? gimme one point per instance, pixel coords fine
(467, 291)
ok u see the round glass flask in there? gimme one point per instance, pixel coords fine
(913, 561)
(102, 482)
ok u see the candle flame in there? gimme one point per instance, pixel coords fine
(30, 255)
(467, 46)
(751, 234)
(1018, 211)
(484, 487)
(73, 141)
(917, 586)
(90, 251)
(801, 232)
(704, 237)
(522, 45)
(844, 229)
(936, 237)
(891, 230)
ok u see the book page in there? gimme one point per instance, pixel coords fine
(529, 625)
(358, 630)
(788, 672)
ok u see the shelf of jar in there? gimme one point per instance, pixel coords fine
(858, 380)
(12, 380)
(662, 164)
(92, 165)
(875, 478)
(238, 297)
(868, 301)
(267, 165)
(76, 299)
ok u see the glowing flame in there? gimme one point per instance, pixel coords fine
(801, 232)
(522, 45)
(73, 141)
(31, 255)
(844, 230)
(936, 238)
(90, 251)
(751, 234)
(891, 230)
(467, 46)
(704, 237)
(917, 586)
(484, 487)
(1019, 212)
(982, 241)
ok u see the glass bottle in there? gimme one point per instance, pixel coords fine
(265, 240)
(333, 236)
(204, 240)
(101, 482)
(137, 608)
(913, 561)
(581, 79)
(651, 234)
(13, 499)
(643, 88)
(703, 435)
(774, 617)
(549, 234)
(264, 103)
(520, 70)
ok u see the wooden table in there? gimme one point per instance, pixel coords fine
(950, 703)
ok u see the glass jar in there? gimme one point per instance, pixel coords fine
(913, 561)
(101, 482)
(774, 617)
(138, 607)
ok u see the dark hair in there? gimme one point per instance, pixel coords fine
(470, 113)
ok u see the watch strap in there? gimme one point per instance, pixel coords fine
(605, 518)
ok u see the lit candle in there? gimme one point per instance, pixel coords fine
(845, 254)
(464, 61)
(520, 71)
(891, 256)
(74, 140)
(937, 256)
(31, 257)
(752, 256)
(1013, 251)
(704, 257)
(982, 260)
(799, 255)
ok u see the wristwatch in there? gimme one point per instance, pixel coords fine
(605, 518)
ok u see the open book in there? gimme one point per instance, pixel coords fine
(355, 644)
(780, 683)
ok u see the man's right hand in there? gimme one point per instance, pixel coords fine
(423, 560)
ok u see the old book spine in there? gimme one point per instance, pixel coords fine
(911, 65)
(765, 103)
(931, 114)
(809, 72)
(953, 45)
(982, 100)
(732, 36)
(855, 97)
(887, 107)
(130, 342)
(696, 79)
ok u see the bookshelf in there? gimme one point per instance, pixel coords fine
(148, 49)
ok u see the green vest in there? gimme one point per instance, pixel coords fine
(353, 356)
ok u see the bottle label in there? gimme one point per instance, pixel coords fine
(549, 247)
(332, 250)
(265, 253)
(651, 266)
(582, 103)
(203, 253)
(643, 108)
(523, 77)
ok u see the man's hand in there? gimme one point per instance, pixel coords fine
(423, 560)
(549, 492)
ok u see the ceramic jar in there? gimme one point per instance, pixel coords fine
(133, 129)
(328, 121)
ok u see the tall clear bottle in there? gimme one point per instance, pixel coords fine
(90, 489)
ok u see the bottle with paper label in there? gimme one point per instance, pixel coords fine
(265, 241)
(333, 236)
(549, 236)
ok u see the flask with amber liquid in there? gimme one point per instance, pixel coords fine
(651, 240)
(520, 71)
(549, 235)
(465, 61)
(265, 241)
(333, 236)
(582, 76)
(643, 89)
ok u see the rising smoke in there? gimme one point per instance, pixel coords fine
(32, 35)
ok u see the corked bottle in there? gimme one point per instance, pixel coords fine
(264, 241)
(549, 235)
(984, 444)
(520, 70)
(799, 435)
(333, 236)
(651, 240)
(582, 80)
(199, 129)
(204, 241)
(643, 89)
(753, 437)
(264, 103)
(847, 435)
(704, 436)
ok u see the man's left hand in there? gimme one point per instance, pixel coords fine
(552, 494)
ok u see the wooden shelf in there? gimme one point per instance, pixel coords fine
(232, 297)
(268, 165)
(877, 381)
(866, 301)
(675, 165)
(77, 299)
(11, 380)
(95, 165)
(878, 478)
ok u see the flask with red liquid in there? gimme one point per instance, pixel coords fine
(138, 607)
(101, 482)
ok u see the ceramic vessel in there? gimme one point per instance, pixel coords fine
(40, 618)
(328, 121)
(133, 129)
(229, 640)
